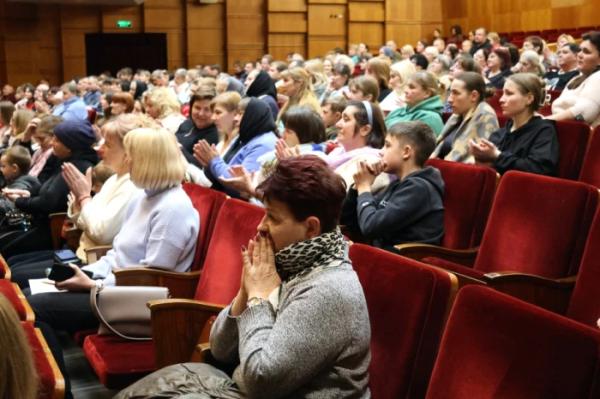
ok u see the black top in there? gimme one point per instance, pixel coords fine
(383, 93)
(188, 135)
(52, 196)
(498, 80)
(558, 81)
(411, 210)
(476, 46)
(531, 148)
(262, 84)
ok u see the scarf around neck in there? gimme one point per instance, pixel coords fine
(327, 250)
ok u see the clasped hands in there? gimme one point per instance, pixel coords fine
(259, 274)
(366, 174)
(484, 151)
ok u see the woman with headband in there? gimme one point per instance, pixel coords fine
(360, 137)
(422, 103)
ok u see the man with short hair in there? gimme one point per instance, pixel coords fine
(72, 107)
(480, 41)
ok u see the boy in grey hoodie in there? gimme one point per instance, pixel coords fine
(14, 164)
(411, 208)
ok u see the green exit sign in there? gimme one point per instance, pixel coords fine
(124, 24)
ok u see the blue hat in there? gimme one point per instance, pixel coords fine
(77, 135)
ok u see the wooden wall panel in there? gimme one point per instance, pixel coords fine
(287, 5)
(111, 15)
(205, 33)
(327, 28)
(520, 15)
(372, 34)
(407, 22)
(281, 44)
(168, 16)
(287, 25)
(246, 30)
(366, 12)
(287, 22)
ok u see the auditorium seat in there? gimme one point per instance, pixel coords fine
(51, 384)
(495, 346)
(585, 301)
(468, 195)
(538, 226)
(407, 303)
(118, 362)
(573, 138)
(208, 203)
(15, 296)
(590, 170)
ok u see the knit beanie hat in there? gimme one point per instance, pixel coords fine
(75, 134)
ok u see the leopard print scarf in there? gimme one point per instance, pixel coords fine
(328, 249)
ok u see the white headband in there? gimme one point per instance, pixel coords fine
(369, 112)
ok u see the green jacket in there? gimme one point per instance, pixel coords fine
(428, 111)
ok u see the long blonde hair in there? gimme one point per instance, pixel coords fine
(18, 377)
(305, 94)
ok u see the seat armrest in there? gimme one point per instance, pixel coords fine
(4, 268)
(419, 251)
(551, 294)
(94, 254)
(178, 325)
(56, 223)
(180, 284)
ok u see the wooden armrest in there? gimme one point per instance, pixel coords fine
(56, 223)
(551, 294)
(94, 254)
(59, 381)
(419, 251)
(177, 327)
(202, 354)
(5, 268)
(180, 284)
(72, 236)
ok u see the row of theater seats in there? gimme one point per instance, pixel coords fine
(537, 225)
(549, 35)
(579, 148)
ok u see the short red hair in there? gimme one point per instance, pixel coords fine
(308, 186)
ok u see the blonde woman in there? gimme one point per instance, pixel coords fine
(162, 104)
(423, 103)
(298, 88)
(224, 109)
(18, 377)
(18, 124)
(399, 74)
(99, 217)
(160, 230)
(318, 77)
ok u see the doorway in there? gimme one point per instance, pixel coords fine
(113, 51)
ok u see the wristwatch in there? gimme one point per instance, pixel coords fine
(254, 301)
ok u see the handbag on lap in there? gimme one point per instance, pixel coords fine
(123, 310)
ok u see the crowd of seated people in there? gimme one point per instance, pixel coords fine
(365, 124)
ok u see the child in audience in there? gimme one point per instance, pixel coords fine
(411, 208)
(332, 110)
(14, 164)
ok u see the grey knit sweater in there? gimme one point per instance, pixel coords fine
(316, 345)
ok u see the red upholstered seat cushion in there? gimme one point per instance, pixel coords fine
(208, 203)
(538, 225)
(407, 304)
(585, 301)
(573, 139)
(495, 346)
(468, 194)
(118, 362)
(9, 291)
(47, 382)
(590, 171)
(235, 226)
(453, 267)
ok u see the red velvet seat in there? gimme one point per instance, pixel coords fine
(13, 293)
(468, 195)
(538, 225)
(573, 138)
(51, 382)
(585, 301)
(494, 101)
(495, 346)
(407, 303)
(590, 170)
(117, 362)
(208, 203)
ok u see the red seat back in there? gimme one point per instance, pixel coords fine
(208, 203)
(407, 304)
(585, 301)
(590, 170)
(468, 195)
(494, 101)
(221, 273)
(50, 381)
(496, 346)
(538, 225)
(573, 139)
